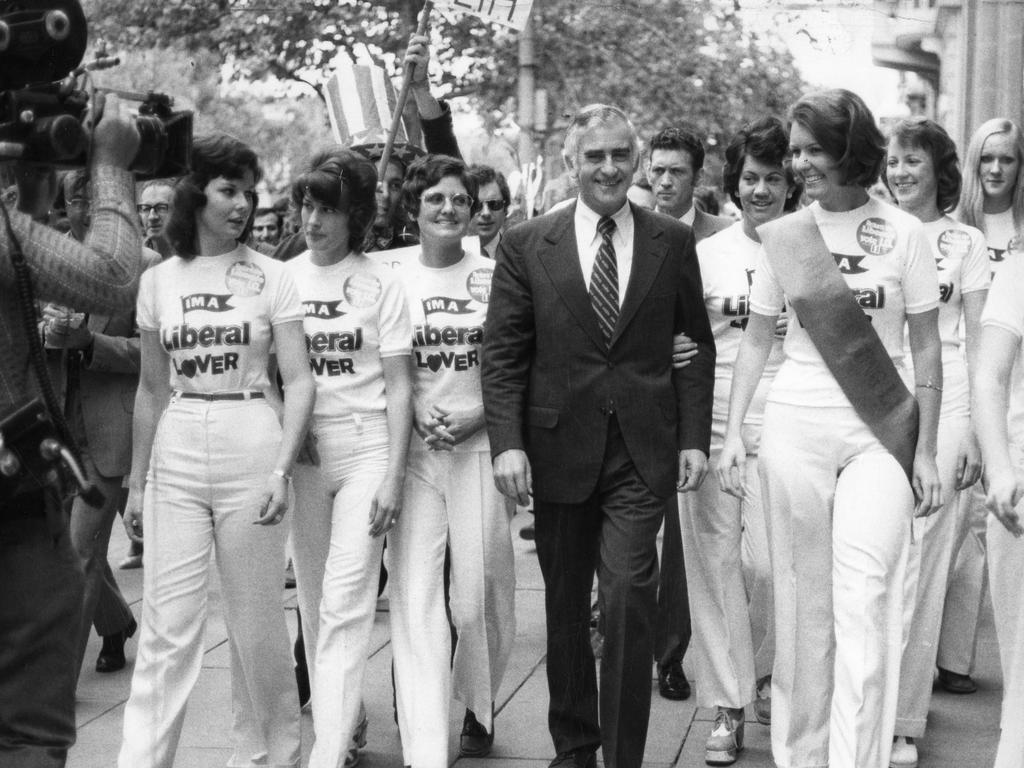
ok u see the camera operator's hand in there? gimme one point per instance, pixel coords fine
(64, 329)
(115, 137)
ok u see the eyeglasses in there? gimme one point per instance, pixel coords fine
(460, 200)
(160, 208)
(79, 203)
(494, 205)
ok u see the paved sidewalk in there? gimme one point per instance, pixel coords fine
(962, 730)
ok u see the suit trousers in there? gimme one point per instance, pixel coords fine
(673, 629)
(614, 529)
(337, 567)
(931, 556)
(209, 464)
(104, 606)
(728, 572)
(1006, 574)
(967, 588)
(39, 616)
(839, 519)
(449, 497)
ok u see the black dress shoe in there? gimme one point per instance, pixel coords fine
(577, 758)
(111, 658)
(954, 682)
(475, 740)
(672, 683)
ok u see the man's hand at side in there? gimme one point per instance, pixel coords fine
(693, 465)
(512, 475)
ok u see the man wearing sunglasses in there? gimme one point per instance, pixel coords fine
(494, 197)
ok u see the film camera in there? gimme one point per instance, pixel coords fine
(43, 99)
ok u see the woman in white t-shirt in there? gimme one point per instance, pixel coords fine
(358, 341)
(993, 201)
(839, 503)
(998, 391)
(728, 573)
(450, 494)
(922, 172)
(210, 465)
(993, 193)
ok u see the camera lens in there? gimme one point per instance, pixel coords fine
(58, 26)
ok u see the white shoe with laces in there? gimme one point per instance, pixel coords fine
(904, 752)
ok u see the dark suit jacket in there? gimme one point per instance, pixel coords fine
(549, 381)
(107, 387)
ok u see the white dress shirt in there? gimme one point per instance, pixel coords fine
(588, 241)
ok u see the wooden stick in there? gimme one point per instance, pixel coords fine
(403, 96)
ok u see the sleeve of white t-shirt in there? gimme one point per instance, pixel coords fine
(766, 296)
(975, 272)
(920, 276)
(285, 305)
(145, 304)
(394, 325)
(1004, 307)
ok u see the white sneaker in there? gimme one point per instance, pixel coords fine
(904, 752)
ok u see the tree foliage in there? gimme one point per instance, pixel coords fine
(664, 61)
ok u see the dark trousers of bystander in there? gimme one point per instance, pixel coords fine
(40, 609)
(614, 530)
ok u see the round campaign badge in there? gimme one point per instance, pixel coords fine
(362, 291)
(479, 284)
(245, 279)
(954, 244)
(876, 236)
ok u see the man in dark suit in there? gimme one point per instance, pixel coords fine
(675, 168)
(585, 412)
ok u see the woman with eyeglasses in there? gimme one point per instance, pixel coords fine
(349, 492)
(922, 172)
(212, 456)
(450, 496)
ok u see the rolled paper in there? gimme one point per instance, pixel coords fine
(842, 332)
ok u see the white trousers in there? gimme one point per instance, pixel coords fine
(337, 567)
(449, 497)
(728, 576)
(839, 511)
(965, 594)
(201, 495)
(1006, 576)
(931, 557)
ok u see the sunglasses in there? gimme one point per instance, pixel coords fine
(494, 205)
(459, 201)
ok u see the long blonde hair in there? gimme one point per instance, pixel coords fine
(972, 198)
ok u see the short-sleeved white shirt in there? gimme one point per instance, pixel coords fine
(999, 231)
(1004, 309)
(884, 257)
(214, 316)
(727, 261)
(448, 307)
(355, 315)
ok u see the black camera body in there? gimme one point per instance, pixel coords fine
(43, 106)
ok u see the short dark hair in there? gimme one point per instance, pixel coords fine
(928, 135)
(764, 140)
(264, 211)
(485, 174)
(680, 139)
(843, 125)
(213, 156)
(345, 180)
(428, 171)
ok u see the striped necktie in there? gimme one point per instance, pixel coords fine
(604, 281)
